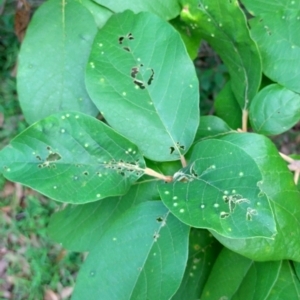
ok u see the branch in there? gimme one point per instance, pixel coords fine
(153, 173)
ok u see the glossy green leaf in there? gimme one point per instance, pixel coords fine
(101, 14)
(270, 280)
(277, 36)
(227, 108)
(142, 256)
(219, 190)
(203, 251)
(96, 218)
(278, 185)
(132, 76)
(211, 126)
(73, 158)
(50, 68)
(226, 276)
(242, 278)
(258, 7)
(190, 37)
(296, 268)
(274, 110)
(168, 9)
(224, 25)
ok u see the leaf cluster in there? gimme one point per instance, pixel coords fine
(165, 202)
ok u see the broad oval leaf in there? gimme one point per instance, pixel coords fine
(203, 251)
(258, 7)
(142, 256)
(168, 9)
(230, 268)
(227, 107)
(274, 110)
(224, 25)
(243, 278)
(101, 14)
(211, 126)
(97, 217)
(277, 36)
(73, 158)
(278, 185)
(52, 59)
(219, 190)
(190, 37)
(132, 77)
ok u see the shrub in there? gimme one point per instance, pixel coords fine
(153, 190)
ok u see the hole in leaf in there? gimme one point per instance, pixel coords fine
(159, 219)
(139, 83)
(127, 49)
(53, 157)
(86, 173)
(151, 77)
(130, 36)
(155, 236)
(134, 72)
(121, 38)
(38, 157)
(172, 149)
(224, 214)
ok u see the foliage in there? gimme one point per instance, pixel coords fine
(151, 189)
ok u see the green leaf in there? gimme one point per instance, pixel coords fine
(168, 9)
(190, 37)
(278, 185)
(96, 217)
(243, 278)
(228, 272)
(278, 40)
(73, 158)
(132, 76)
(211, 126)
(270, 280)
(227, 108)
(52, 61)
(258, 7)
(100, 13)
(203, 250)
(142, 256)
(274, 110)
(219, 190)
(224, 25)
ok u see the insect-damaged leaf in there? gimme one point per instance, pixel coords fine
(140, 77)
(142, 256)
(219, 190)
(224, 25)
(259, 7)
(277, 37)
(278, 185)
(72, 157)
(52, 60)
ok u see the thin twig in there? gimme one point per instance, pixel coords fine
(153, 173)
(183, 161)
(286, 157)
(245, 120)
(296, 177)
